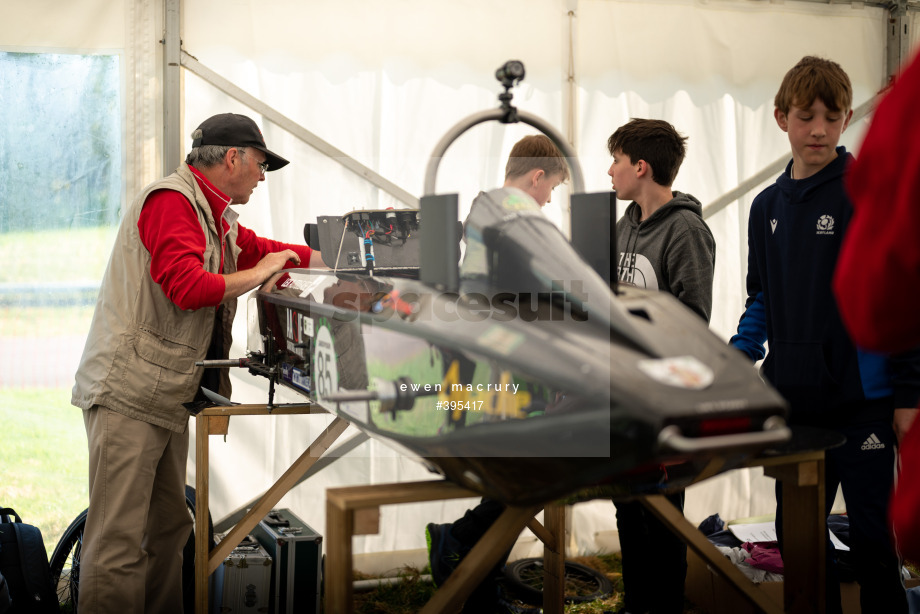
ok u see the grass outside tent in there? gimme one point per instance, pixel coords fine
(43, 451)
(411, 593)
(66, 254)
(44, 458)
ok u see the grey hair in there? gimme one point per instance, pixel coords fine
(207, 156)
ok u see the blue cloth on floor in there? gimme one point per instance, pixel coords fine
(714, 529)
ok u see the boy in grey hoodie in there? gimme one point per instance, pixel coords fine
(663, 244)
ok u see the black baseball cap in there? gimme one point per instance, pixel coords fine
(232, 129)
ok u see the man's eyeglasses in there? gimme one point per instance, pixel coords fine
(263, 166)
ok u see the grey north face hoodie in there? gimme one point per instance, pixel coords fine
(673, 250)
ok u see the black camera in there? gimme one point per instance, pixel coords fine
(510, 73)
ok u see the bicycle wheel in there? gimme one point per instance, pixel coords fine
(65, 565)
(65, 560)
(582, 583)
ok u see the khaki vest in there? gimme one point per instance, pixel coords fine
(140, 354)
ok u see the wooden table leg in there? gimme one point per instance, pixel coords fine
(339, 531)
(804, 535)
(354, 510)
(214, 421)
(554, 560)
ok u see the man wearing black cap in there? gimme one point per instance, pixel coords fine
(167, 300)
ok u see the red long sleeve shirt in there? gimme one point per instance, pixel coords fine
(878, 271)
(170, 231)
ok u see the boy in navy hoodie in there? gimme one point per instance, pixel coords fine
(795, 230)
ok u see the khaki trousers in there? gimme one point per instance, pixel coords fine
(138, 523)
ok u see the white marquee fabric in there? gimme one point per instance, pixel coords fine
(383, 81)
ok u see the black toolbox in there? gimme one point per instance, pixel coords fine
(296, 551)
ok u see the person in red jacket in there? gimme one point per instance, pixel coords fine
(166, 302)
(877, 280)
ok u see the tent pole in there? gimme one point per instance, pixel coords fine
(571, 102)
(571, 123)
(897, 41)
(172, 95)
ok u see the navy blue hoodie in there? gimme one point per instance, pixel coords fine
(795, 231)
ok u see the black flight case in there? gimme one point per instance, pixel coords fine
(296, 551)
